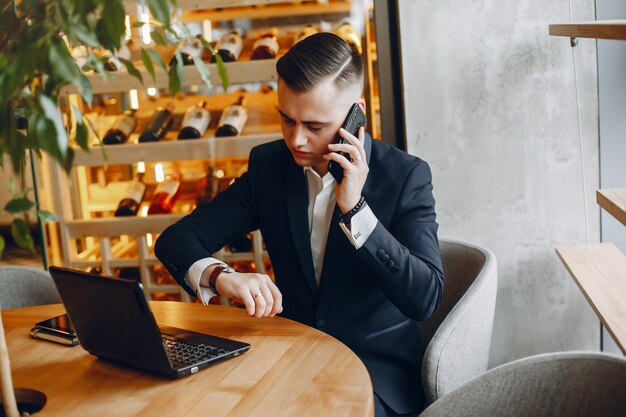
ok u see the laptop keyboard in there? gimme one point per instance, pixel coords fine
(190, 354)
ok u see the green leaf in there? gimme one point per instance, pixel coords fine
(156, 58)
(131, 69)
(23, 193)
(137, 24)
(113, 17)
(52, 113)
(85, 35)
(158, 37)
(84, 88)
(12, 183)
(221, 68)
(18, 205)
(46, 216)
(176, 75)
(160, 9)
(21, 234)
(147, 62)
(2, 245)
(203, 70)
(62, 64)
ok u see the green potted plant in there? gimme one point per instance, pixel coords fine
(37, 38)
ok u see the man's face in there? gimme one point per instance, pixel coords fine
(310, 120)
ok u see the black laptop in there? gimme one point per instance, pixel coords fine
(114, 322)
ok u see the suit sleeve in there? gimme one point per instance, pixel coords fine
(208, 228)
(405, 259)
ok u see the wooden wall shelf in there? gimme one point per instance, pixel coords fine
(239, 72)
(599, 270)
(117, 226)
(600, 29)
(614, 202)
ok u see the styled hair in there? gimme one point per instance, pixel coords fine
(318, 57)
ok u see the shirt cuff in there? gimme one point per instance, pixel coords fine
(362, 225)
(193, 275)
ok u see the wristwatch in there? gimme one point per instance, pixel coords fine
(216, 271)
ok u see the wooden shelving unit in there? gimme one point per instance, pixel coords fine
(614, 202)
(600, 272)
(601, 29)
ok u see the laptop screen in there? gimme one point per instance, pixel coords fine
(112, 318)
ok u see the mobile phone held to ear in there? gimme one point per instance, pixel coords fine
(57, 329)
(354, 121)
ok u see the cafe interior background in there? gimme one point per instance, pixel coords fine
(507, 117)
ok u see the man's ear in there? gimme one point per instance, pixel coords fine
(361, 103)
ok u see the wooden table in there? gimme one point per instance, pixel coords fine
(290, 370)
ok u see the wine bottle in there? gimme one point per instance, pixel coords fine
(233, 119)
(229, 46)
(159, 125)
(191, 49)
(207, 188)
(305, 32)
(348, 33)
(266, 46)
(121, 129)
(129, 204)
(195, 122)
(164, 197)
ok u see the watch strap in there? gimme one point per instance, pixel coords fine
(215, 273)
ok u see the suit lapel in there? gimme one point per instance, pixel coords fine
(337, 241)
(297, 204)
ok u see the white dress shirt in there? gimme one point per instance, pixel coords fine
(322, 203)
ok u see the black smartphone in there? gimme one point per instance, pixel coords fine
(57, 329)
(354, 121)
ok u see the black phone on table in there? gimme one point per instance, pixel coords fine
(354, 121)
(57, 329)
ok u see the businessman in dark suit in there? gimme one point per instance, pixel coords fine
(358, 259)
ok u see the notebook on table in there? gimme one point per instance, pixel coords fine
(113, 321)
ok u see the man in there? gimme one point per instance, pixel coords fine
(358, 259)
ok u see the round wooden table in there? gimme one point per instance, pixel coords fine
(290, 370)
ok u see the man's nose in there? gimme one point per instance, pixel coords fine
(299, 137)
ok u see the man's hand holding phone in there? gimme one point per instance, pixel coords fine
(349, 155)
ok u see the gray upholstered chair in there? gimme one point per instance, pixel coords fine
(458, 335)
(555, 384)
(22, 286)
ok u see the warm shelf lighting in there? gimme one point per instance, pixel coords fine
(159, 174)
(149, 239)
(152, 91)
(134, 99)
(127, 34)
(141, 167)
(144, 211)
(206, 30)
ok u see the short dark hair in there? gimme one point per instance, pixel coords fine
(317, 57)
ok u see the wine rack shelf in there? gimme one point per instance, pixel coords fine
(239, 72)
(176, 150)
(131, 5)
(269, 11)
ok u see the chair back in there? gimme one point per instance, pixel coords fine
(568, 384)
(458, 335)
(22, 286)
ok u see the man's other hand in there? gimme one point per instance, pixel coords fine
(256, 292)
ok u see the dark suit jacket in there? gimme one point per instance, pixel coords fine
(368, 298)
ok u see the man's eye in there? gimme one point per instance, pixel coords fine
(288, 121)
(315, 128)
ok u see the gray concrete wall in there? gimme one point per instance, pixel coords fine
(490, 103)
